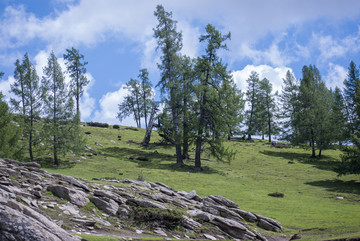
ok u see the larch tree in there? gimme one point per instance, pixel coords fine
(132, 103)
(169, 41)
(61, 123)
(75, 65)
(252, 98)
(339, 119)
(211, 74)
(314, 113)
(28, 104)
(288, 100)
(267, 108)
(146, 94)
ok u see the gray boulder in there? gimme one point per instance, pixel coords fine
(145, 203)
(190, 223)
(106, 204)
(233, 228)
(207, 217)
(103, 193)
(248, 216)
(223, 201)
(268, 226)
(74, 196)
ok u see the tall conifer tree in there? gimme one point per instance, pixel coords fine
(28, 103)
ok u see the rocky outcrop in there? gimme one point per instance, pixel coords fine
(35, 205)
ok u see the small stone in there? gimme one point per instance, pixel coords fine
(139, 231)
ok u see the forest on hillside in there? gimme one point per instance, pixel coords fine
(202, 106)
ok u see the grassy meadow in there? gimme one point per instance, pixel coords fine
(317, 203)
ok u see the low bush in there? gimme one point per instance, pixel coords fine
(98, 124)
(116, 127)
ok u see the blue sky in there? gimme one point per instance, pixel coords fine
(116, 38)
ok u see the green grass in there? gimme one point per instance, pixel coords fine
(310, 187)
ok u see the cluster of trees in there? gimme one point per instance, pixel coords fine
(139, 100)
(44, 108)
(202, 103)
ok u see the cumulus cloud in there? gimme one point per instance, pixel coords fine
(109, 108)
(5, 87)
(336, 76)
(274, 75)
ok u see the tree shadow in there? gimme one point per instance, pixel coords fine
(153, 160)
(337, 185)
(324, 163)
(48, 162)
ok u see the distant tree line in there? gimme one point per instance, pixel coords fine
(44, 108)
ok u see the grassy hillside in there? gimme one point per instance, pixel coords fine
(316, 202)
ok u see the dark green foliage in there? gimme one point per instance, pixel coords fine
(9, 133)
(313, 116)
(98, 124)
(62, 125)
(139, 100)
(350, 160)
(28, 103)
(288, 107)
(76, 68)
(116, 127)
(213, 117)
(350, 95)
(170, 43)
(253, 100)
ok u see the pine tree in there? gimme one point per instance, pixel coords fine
(211, 74)
(349, 96)
(28, 91)
(267, 109)
(170, 43)
(313, 118)
(339, 120)
(252, 98)
(76, 68)
(187, 82)
(288, 101)
(61, 123)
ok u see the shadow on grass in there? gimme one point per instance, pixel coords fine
(324, 163)
(336, 185)
(153, 160)
(48, 162)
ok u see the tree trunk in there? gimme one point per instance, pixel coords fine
(269, 126)
(147, 137)
(200, 133)
(185, 154)
(312, 144)
(30, 138)
(320, 153)
(174, 110)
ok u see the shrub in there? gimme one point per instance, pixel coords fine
(98, 124)
(116, 127)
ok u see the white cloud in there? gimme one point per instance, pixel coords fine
(274, 75)
(330, 47)
(109, 108)
(336, 76)
(87, 103)
(5, 88)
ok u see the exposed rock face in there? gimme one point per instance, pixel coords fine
(25, 206)
(18, 222)
(75, 196)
